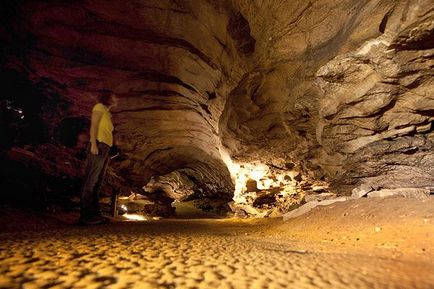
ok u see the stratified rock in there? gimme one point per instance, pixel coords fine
(309, 206)
(175, 185)
(361, 191)
(403, 192)
(171, 78)
(331, 91)
(375, 113)
(301, 210)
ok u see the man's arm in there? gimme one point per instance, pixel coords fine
(94, 123)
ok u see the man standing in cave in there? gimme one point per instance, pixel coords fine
(101, 140)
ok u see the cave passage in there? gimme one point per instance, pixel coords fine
(247, 109)
(258, 144)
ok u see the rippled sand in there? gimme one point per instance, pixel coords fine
(194, 254)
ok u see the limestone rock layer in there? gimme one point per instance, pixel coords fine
(336, 92)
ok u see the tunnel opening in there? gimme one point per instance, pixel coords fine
(188, 195)
(73, 132)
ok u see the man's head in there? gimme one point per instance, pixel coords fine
(108, 98)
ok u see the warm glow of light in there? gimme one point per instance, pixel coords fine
(261, 173)
(134, 217)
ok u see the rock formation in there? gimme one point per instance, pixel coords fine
(331, 95)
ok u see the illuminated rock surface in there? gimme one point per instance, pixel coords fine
(324, 94)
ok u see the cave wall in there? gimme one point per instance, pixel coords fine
(275, 105)
(166, 61)
(376, 108)
(340, 89)
(337, 92)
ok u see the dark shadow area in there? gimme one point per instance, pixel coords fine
(34, 170)
(239, 29)
(188, 210)
(70, 129)
(21, 105)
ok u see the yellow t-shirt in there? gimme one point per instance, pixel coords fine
(105, 127)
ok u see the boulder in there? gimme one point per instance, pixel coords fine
(418, 193)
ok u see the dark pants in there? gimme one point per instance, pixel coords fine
(96, 166)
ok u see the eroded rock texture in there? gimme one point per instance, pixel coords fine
(376, 110)
(329, 92)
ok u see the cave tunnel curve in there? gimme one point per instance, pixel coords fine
(191, 83)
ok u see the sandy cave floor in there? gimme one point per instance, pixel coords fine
(366, 243)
